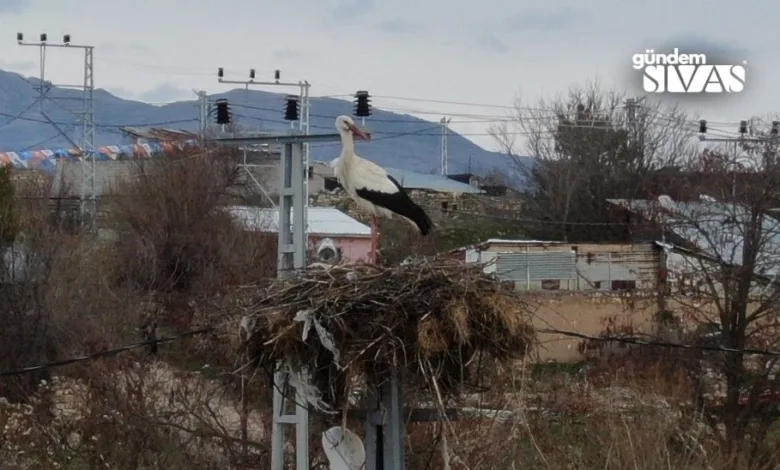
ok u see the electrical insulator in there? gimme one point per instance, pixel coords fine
(703, 126)
(66, 39)
(291, 109)
(251, 74)
(20, 37)
(223, 112)
(775, 128)
(277, 75)
(43, 37)
(220, 72)
(743, 128)
(362, 106)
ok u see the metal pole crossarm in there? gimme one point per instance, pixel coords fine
(738, 139)
(64, 46)
(76, 87)
(278, 139)
(252, 82)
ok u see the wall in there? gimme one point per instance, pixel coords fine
(584, 313)
(353, 249)
(437, 204)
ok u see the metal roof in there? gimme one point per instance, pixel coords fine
(159, 133)
(715, 228)
(322, 221)
(413, 180)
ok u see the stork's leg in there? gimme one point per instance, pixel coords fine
(374, 240)
(375, 255)
(372, 253)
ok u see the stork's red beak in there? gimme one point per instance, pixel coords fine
(358, 134)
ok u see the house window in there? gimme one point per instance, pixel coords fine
(454, 207)
(623, 285)
(444, 205)
(551, 284)
(597, 284)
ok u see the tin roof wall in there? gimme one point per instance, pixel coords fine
(327, 221)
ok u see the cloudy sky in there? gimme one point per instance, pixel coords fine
(486, 52)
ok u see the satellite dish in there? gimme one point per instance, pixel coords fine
(666, 202)
(328, 252)
(343, 449)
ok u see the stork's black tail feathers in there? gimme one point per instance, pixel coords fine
(420, 218)
(400, 203)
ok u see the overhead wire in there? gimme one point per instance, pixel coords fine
(622, 339)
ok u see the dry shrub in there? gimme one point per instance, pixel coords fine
(427, 318)
(630, 428)
(163, 420)
(56, 302)
(175, 237)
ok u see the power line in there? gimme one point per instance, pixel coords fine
(573, 334)
(20, 115)
(108, 353)
(664, 344)
(114, 126)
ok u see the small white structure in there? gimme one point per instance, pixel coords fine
(329, 228)
(344, 449)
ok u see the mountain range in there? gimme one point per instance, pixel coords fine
(399, 140)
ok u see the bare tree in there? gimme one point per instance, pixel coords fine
(724, 275)
(590, 147)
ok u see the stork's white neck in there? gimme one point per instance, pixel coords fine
(347, 144)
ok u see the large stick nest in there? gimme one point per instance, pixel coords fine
(427, 319)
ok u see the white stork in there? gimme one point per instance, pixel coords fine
(371, 187)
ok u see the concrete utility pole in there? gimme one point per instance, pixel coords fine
(633, 122)
(445, 158)
(203, 114)
(292, 251)
(740, 142)
(86, 140)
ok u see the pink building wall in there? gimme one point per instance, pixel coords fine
(353, 249)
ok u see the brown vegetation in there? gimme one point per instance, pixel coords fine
(177, 259)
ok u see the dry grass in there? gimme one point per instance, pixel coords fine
(175, 249)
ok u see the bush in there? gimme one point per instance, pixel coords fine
(176, 240)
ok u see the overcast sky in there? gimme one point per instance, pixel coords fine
(487, 52)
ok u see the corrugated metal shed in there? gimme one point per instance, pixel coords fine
(533, 264)
(613, 270)
(527, 268)
(322, 221)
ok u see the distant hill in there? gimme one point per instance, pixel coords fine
(400, 141)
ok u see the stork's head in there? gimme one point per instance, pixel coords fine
(346, 125)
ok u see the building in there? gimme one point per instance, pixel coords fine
(334, 237)
(554, 265)
(148, 135)
(701, 237)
